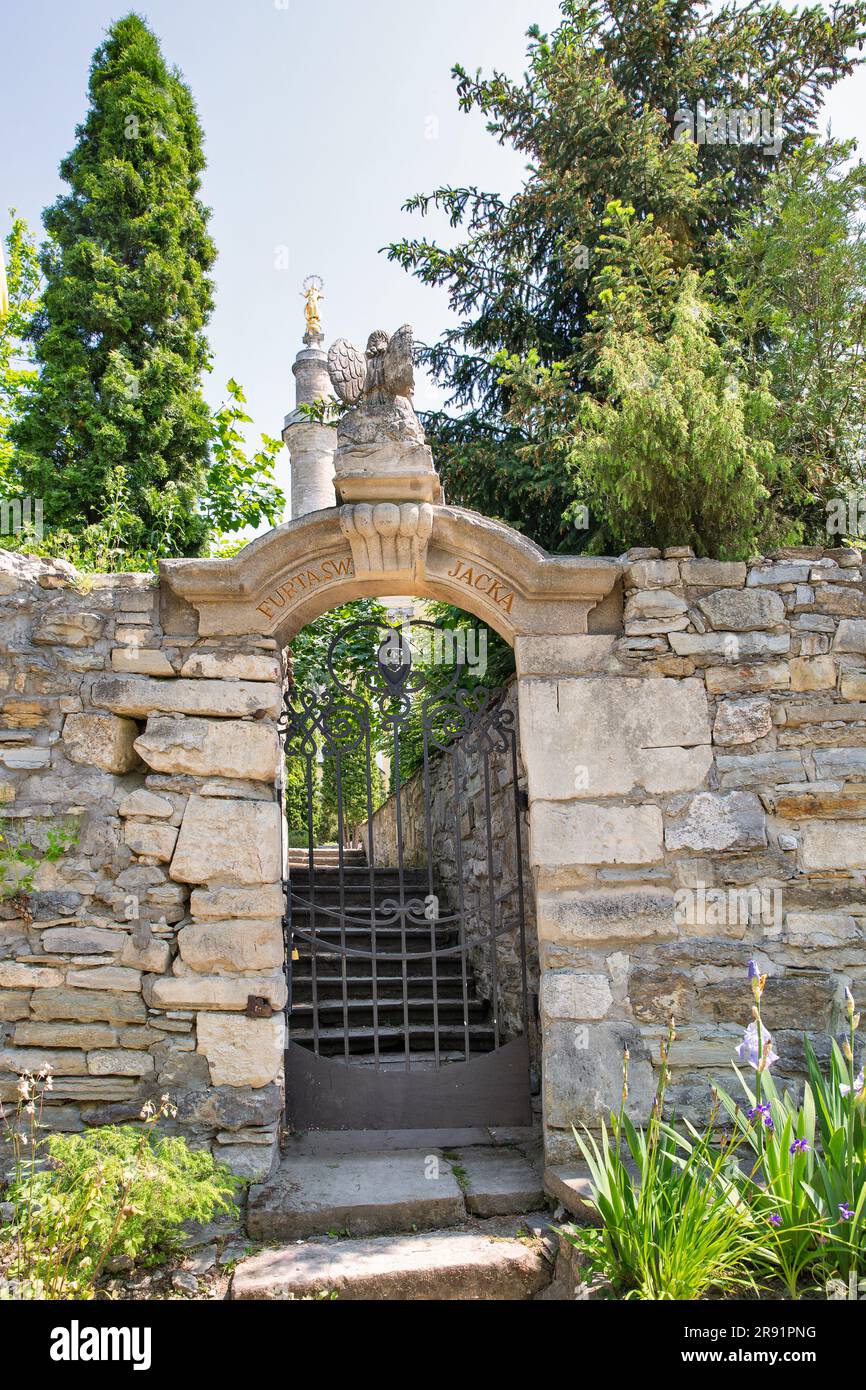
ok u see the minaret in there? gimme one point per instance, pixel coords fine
(311, 445)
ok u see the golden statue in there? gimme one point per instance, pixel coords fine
(313, 296)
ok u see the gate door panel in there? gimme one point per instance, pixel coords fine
(407, 992)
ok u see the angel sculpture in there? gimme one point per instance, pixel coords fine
(379, 375)
(379, 436)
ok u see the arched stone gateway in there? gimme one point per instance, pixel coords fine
(302, 569)
(542, 605)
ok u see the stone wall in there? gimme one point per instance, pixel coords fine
(698, 797)
(473, 828)
(130, 965)
(697, 788)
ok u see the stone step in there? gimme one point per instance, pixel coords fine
(441, 1266)
(365, 1194)
(497, 1181)
(333, 1184)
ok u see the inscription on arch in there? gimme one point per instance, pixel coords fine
(298, 585)
(483, 581)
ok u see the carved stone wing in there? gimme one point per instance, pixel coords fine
(347, 368)
(399, 372)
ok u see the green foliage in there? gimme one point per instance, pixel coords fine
(597, 118)
(119, 337)
(239, 491)
(781, 1195)
(674, 1223)
(17, 372)
(20, 858)
(108, 1192)
(813, 1193)
(796, 275)
(354, 662)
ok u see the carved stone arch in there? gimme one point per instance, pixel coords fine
(283, 580)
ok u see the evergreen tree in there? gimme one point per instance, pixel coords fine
(602, 116)
(17, 307)
(120, 338)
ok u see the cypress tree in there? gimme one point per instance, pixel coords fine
(120, 338)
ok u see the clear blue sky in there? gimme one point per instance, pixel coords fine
(320, 119)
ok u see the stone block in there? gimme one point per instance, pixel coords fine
(140, 696)
(853, 685)
(716, 574)
(64, 625)
(15, 976)
(572, 833)
(141, 661)
(144, 803)
(574, 655)
(232, 666)
(742, 610)
(228, 842)
(760, 769)
(851, 636)
(653, 605)
(822, 928)
(813, 673)
(587, 916)
(154, 956)
(841, 763)
(826, 845)
(796, 572)
(119, 1062)
(742, 721)
(231, 1107)
(113, 977)
(729, 646)
(241, 1051)
(244, 945)
(82, 941)
(607, 736)
(213, 992)
(62, 1062)
(88, 1006)
(224, 903)
(101, 740)
(724, 680)
(717, 821)
(210, 747)
(582, 1073)
(150, 840)
(651, 574)
(565, 994)
(75, 1035)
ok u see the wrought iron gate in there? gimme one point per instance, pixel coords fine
(407, 991)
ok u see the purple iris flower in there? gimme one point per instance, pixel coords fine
(755, 974)
(756, 1110)
(749, 1051)
(859, 1082)
(775, 1220)
(845, 1212)
(799, 1146)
